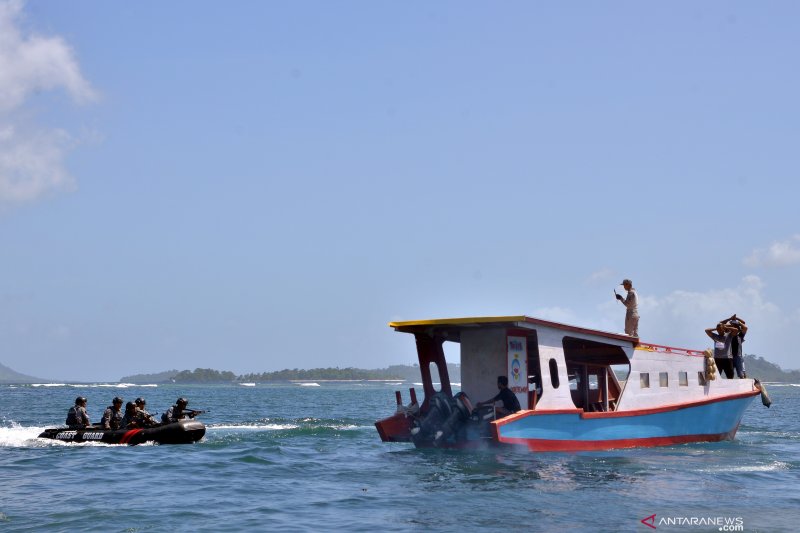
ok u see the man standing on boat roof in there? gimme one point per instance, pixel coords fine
(77, 417)
(631, 303)
(112, 417)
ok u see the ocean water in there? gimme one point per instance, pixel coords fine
(308, 458)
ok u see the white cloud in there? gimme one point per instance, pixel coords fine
(679, 319)
(778, 254)
(556, 314)
(600, 277)
(31, 155)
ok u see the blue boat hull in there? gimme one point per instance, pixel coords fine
(575, 430)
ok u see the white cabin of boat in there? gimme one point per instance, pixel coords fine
(552, 366)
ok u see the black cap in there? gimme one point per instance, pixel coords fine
(116, 400)
(140, 400)
(79, 400)
(182, 400)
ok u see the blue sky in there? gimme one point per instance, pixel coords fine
(262, 185)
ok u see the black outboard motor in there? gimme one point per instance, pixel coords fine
(461, 412)
(444, 418)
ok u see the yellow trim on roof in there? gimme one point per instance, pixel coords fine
(457, 321)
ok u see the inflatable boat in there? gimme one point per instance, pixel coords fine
(180, 432)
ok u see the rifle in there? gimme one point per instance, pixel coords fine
(191, 413)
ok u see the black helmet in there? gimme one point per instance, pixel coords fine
(79, 400)
(130, 406)
(182, 401)
(140, 401)
(116, 400)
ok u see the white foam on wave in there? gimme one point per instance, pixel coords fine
(247, 384)
(28, 437)
(93, 385)
(770, 467)
(781, 384)
(308, 384)
(253, 427)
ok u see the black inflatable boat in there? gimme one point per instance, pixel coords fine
(180, 432)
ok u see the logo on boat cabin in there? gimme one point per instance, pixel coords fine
(515, 345)
(515, 368)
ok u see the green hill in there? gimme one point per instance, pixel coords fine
(758, 367)
(11, 376)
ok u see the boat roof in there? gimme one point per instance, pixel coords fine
(454, 326)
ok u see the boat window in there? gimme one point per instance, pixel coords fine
(644, 380)
(683, 379)
(701, 378)
(554, 373)
(663, 379)
(434, 370)
(593, 382)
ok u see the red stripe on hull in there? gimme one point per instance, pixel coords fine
(538, 445)
(128, 436)
(542, 445)
(620, 414)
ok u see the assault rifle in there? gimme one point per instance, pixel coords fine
(191, 413)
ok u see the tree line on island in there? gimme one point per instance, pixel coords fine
(209, 375)
(756, 366)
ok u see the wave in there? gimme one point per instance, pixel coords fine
(252, 427)
(308, 384)
(781, 384)
(28, 437)
(771, 467)
(247, 384)
(93, 385)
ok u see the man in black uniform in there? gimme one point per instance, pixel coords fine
(509, 399)
(112, 417)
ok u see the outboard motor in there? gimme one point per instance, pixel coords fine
(444, 417)
(461, 412)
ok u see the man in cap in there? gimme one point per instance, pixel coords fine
(112, 416)
(631, 303)
(77, 418)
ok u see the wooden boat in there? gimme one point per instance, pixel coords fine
(180, 432)
(579, 389)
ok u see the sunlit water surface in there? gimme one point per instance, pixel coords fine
(297, 457)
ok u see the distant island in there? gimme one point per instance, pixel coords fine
(757, 367)
(11, 376)
(208, 375)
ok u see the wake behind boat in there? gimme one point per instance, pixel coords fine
(180, 432)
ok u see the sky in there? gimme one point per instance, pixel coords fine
(254, 186)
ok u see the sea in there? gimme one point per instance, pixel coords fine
(307, 457)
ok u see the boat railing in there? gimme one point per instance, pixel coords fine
(668, 350)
